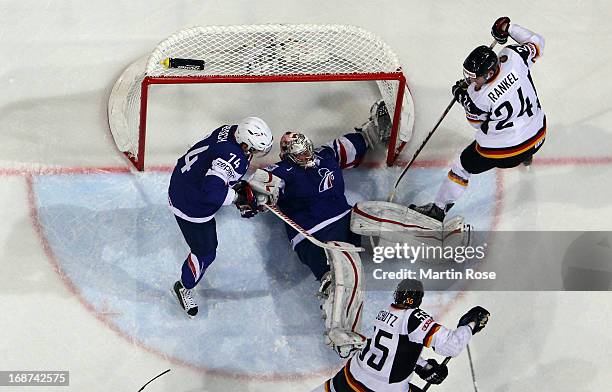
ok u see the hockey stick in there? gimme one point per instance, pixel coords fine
(426, 387)
(472, 368)
(418, 151)
(276, 211)
(159, 375)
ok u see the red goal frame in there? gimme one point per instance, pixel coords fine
(393, 150)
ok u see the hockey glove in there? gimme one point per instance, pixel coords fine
(459, 91)
(499, 31)
(478, 315)
(432, 372)
(245, 199)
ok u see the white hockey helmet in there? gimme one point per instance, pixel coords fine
(256, 134)
(298, 148)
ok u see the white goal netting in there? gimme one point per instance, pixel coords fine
(259, 53)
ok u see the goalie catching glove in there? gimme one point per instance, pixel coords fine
(378, 127)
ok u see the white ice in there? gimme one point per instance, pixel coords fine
(89, 250)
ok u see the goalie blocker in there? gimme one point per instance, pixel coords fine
(395, 223)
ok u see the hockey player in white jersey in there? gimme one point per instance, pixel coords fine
(393, 351)
(501, 102)
(204, 179)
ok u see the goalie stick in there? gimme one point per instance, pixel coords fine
(276, 211)
(418, 151)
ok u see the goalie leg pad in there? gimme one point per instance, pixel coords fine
(396, 223)
(345, 302)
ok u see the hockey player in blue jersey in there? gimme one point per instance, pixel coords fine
(201, 183)
(307, 185)
(312, 190)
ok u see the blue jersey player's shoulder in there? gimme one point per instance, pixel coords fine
(228, 160)
(282, 169)
(325, 152)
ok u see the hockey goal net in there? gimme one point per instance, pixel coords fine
(261, 54)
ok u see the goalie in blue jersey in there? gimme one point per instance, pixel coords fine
(307, 185)
(311, 185)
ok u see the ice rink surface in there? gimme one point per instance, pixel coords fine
(90, 250)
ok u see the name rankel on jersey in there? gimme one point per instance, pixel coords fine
(503, 86)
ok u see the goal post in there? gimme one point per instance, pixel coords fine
(279, 53)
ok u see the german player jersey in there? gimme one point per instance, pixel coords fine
(506, 111)
(202, 178)
(392, 351)
(314, 197)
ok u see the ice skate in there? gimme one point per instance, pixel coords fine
(185, 299)
(431, 210)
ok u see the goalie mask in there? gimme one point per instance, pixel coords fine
(298, 148)
(409, 293)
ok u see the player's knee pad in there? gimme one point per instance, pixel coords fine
(345, 301)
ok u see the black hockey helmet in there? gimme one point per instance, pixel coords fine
(479, 62)
(409, 293)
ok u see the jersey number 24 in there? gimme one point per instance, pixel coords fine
(526, 107)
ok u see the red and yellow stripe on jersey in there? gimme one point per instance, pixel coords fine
(457, 179)
(429, 337)
(506, 152)
(344, 381)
